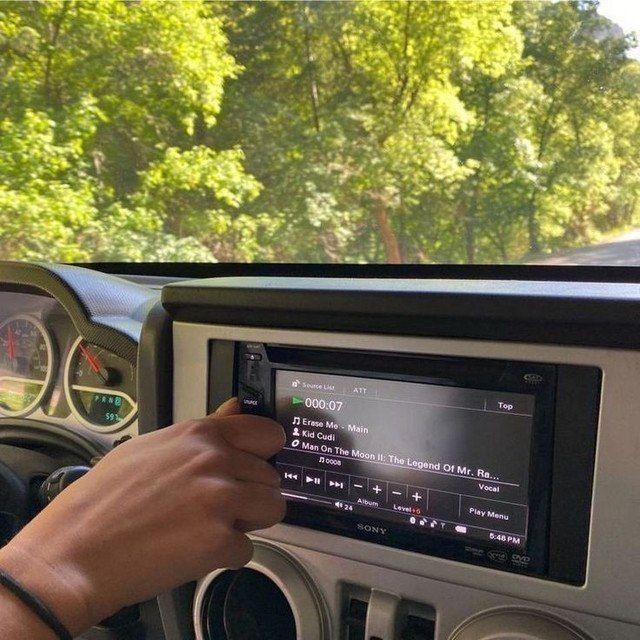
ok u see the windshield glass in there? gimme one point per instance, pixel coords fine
(369, 131)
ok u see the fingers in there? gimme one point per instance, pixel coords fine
(229, 407)
(249, 468)
(260, 436)
(240, 445)
(236, 552)
(260, 506)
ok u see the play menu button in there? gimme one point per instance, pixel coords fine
(489, 514)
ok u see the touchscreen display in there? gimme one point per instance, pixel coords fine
(435, 458)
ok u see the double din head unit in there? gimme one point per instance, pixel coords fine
(487, 462)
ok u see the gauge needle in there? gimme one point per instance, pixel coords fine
(94, 363)
(11, 343)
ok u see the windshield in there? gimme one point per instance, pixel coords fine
(349, 132)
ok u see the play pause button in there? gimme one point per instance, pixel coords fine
(291, 476)
(337, 485)
(313, 481)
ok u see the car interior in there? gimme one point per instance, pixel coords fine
(515, 521)
(462, 456)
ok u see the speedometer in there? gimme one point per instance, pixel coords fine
(100, 387)
(26, 364)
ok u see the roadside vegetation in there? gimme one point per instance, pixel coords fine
(362, 131)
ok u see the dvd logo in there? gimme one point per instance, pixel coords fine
(533, 378)
(382, 531)
(520, 560)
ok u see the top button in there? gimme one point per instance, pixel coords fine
(521, 407)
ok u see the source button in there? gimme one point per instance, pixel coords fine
(250, 400)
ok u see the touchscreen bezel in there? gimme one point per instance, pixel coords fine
(495, 375)
(573, 407)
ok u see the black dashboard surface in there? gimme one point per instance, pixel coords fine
(106, 310)
(588, 313)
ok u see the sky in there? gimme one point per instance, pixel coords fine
(627, 14)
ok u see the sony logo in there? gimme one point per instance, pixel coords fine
(371, 529)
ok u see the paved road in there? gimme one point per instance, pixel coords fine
(621, 251)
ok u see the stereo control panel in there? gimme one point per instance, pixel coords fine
(450, 457)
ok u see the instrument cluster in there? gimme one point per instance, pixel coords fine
(49, 371)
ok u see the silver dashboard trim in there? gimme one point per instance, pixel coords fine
(306, 603)
(612, 586)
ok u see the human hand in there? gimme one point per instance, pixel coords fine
(158, 511)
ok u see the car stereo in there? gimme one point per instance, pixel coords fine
(488, 462)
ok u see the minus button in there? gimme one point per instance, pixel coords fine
(357, 487)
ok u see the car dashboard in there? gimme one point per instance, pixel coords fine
(461, 459)
(50, 373)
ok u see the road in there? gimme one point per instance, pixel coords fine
(624, 250)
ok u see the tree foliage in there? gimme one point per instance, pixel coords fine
(313, 131)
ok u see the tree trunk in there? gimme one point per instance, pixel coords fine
(533, 228)
(470, 243)
(55, 29)
(311, 69)
(388, 235)
(468, 221)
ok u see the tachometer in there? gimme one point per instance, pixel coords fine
(26, 364)
(100, 387)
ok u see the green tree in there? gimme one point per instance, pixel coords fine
(354, 106)
(316, 131)
(575, 56)
(122, 85)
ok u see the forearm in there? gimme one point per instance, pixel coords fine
(57, 587)
(95, 548)
(19, 622)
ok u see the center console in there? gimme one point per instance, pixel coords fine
(458, 471)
